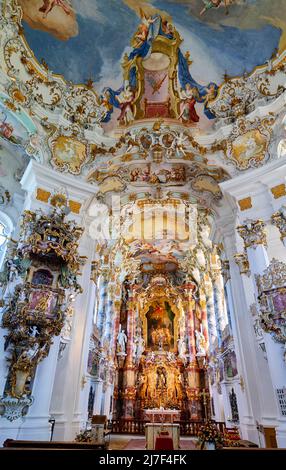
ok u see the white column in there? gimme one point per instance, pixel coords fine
(249, 403)
(70, 393)
(107, 401)
(258, 262)
(98, 397)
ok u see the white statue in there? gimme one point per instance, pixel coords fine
(281, 149)
(22, 296)
(200, 343)
(170, 356)
(201, 258)
(33, 331)
(121, 340)
(181, 347)
(139, 347)
(152, 356)
(205, 235)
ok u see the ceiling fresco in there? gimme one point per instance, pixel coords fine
(147, 99)
(87, 41)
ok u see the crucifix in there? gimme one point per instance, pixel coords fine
(205, 396)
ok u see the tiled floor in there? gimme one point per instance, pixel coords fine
(129, 442)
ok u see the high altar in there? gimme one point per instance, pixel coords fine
(160, 376)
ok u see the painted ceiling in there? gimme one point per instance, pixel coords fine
(84, 39)
(87, 39)
(149, 99)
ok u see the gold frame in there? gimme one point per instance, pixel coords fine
(160, 299)
(165, 46)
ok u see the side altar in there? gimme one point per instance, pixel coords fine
(162, 424)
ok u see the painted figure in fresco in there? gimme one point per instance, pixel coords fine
(211, 94)
(125, 99)
(188, 101)
(142, 33)
(105, 103)
(209, 4)
(49, 5)
(6, 129)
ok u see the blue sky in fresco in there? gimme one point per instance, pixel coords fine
(96, 51)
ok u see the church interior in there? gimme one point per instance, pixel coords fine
(143, 223)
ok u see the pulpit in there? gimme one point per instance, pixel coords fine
(161, 429)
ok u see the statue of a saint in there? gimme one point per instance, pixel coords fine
(181, 348)
(121, 340)
(161, 381)
(139, 347)
(200, 343)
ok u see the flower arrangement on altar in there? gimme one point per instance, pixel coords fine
(209, 433)
(231, 438)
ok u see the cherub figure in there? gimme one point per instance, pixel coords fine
(49, 5)
(209, 4)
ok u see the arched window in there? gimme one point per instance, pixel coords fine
(6, 228)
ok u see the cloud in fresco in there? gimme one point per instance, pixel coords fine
(242, 14)
(58, 23)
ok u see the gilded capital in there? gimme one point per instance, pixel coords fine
(253, 233)
(242, 262)
(279, 220)
(225, 270)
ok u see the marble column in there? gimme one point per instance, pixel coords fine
(211, 317)
(129, 370)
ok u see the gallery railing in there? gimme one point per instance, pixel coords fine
(136, 426)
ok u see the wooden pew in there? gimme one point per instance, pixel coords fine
(15, 443)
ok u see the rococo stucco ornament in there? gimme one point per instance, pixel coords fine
(242, 262)
(253, 233)
(279, 220)
(272, 300)
(39, 275)
(248, 143)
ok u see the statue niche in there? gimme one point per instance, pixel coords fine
(160, 327)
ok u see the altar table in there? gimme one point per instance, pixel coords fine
(153, 431)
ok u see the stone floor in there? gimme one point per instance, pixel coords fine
(131, 442)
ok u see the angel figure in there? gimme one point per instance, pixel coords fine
(49, 5)
(142, 33)
(188, 100)
(125, 100)
(209, 4)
